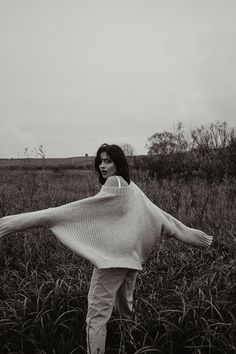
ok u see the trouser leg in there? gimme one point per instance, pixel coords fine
(102, 294)
(124, 302)
(124, 296)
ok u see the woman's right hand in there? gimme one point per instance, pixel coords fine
(24, 221)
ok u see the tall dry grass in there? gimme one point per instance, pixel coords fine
(185, 298)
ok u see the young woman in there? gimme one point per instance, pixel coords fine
(116, 230)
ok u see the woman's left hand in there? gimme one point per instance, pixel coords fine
(7, 226)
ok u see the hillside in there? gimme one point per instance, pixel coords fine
(74, 162)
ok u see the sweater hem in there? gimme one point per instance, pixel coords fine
(117, 264)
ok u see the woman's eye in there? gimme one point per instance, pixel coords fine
(106, 161)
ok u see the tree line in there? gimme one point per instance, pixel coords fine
(208, 151)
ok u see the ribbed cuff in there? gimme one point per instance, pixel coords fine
(206, 240)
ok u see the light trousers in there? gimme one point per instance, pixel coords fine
(106, 287)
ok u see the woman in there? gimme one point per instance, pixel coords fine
(116, 230)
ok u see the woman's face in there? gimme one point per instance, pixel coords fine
(106, 166)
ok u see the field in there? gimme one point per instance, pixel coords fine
(185, 298)
(27, 163)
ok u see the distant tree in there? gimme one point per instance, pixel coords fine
(214, 149)
(231, 155)
(167, 142)
(128, 149)
(216, 135)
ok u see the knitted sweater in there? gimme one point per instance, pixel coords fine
(118, 227)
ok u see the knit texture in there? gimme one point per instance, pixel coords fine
(118, 227)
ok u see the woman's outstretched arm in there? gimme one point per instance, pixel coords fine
(20, 222)
(183, 233)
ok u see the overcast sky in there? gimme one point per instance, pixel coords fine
(77, 73)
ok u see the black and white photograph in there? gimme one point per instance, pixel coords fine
(117, 177)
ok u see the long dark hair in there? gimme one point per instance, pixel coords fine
(117, 155)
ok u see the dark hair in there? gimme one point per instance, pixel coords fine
(117, 155)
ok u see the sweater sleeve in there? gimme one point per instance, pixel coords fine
(176, 229)
(19, 222)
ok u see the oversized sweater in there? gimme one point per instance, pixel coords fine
(118, 227)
